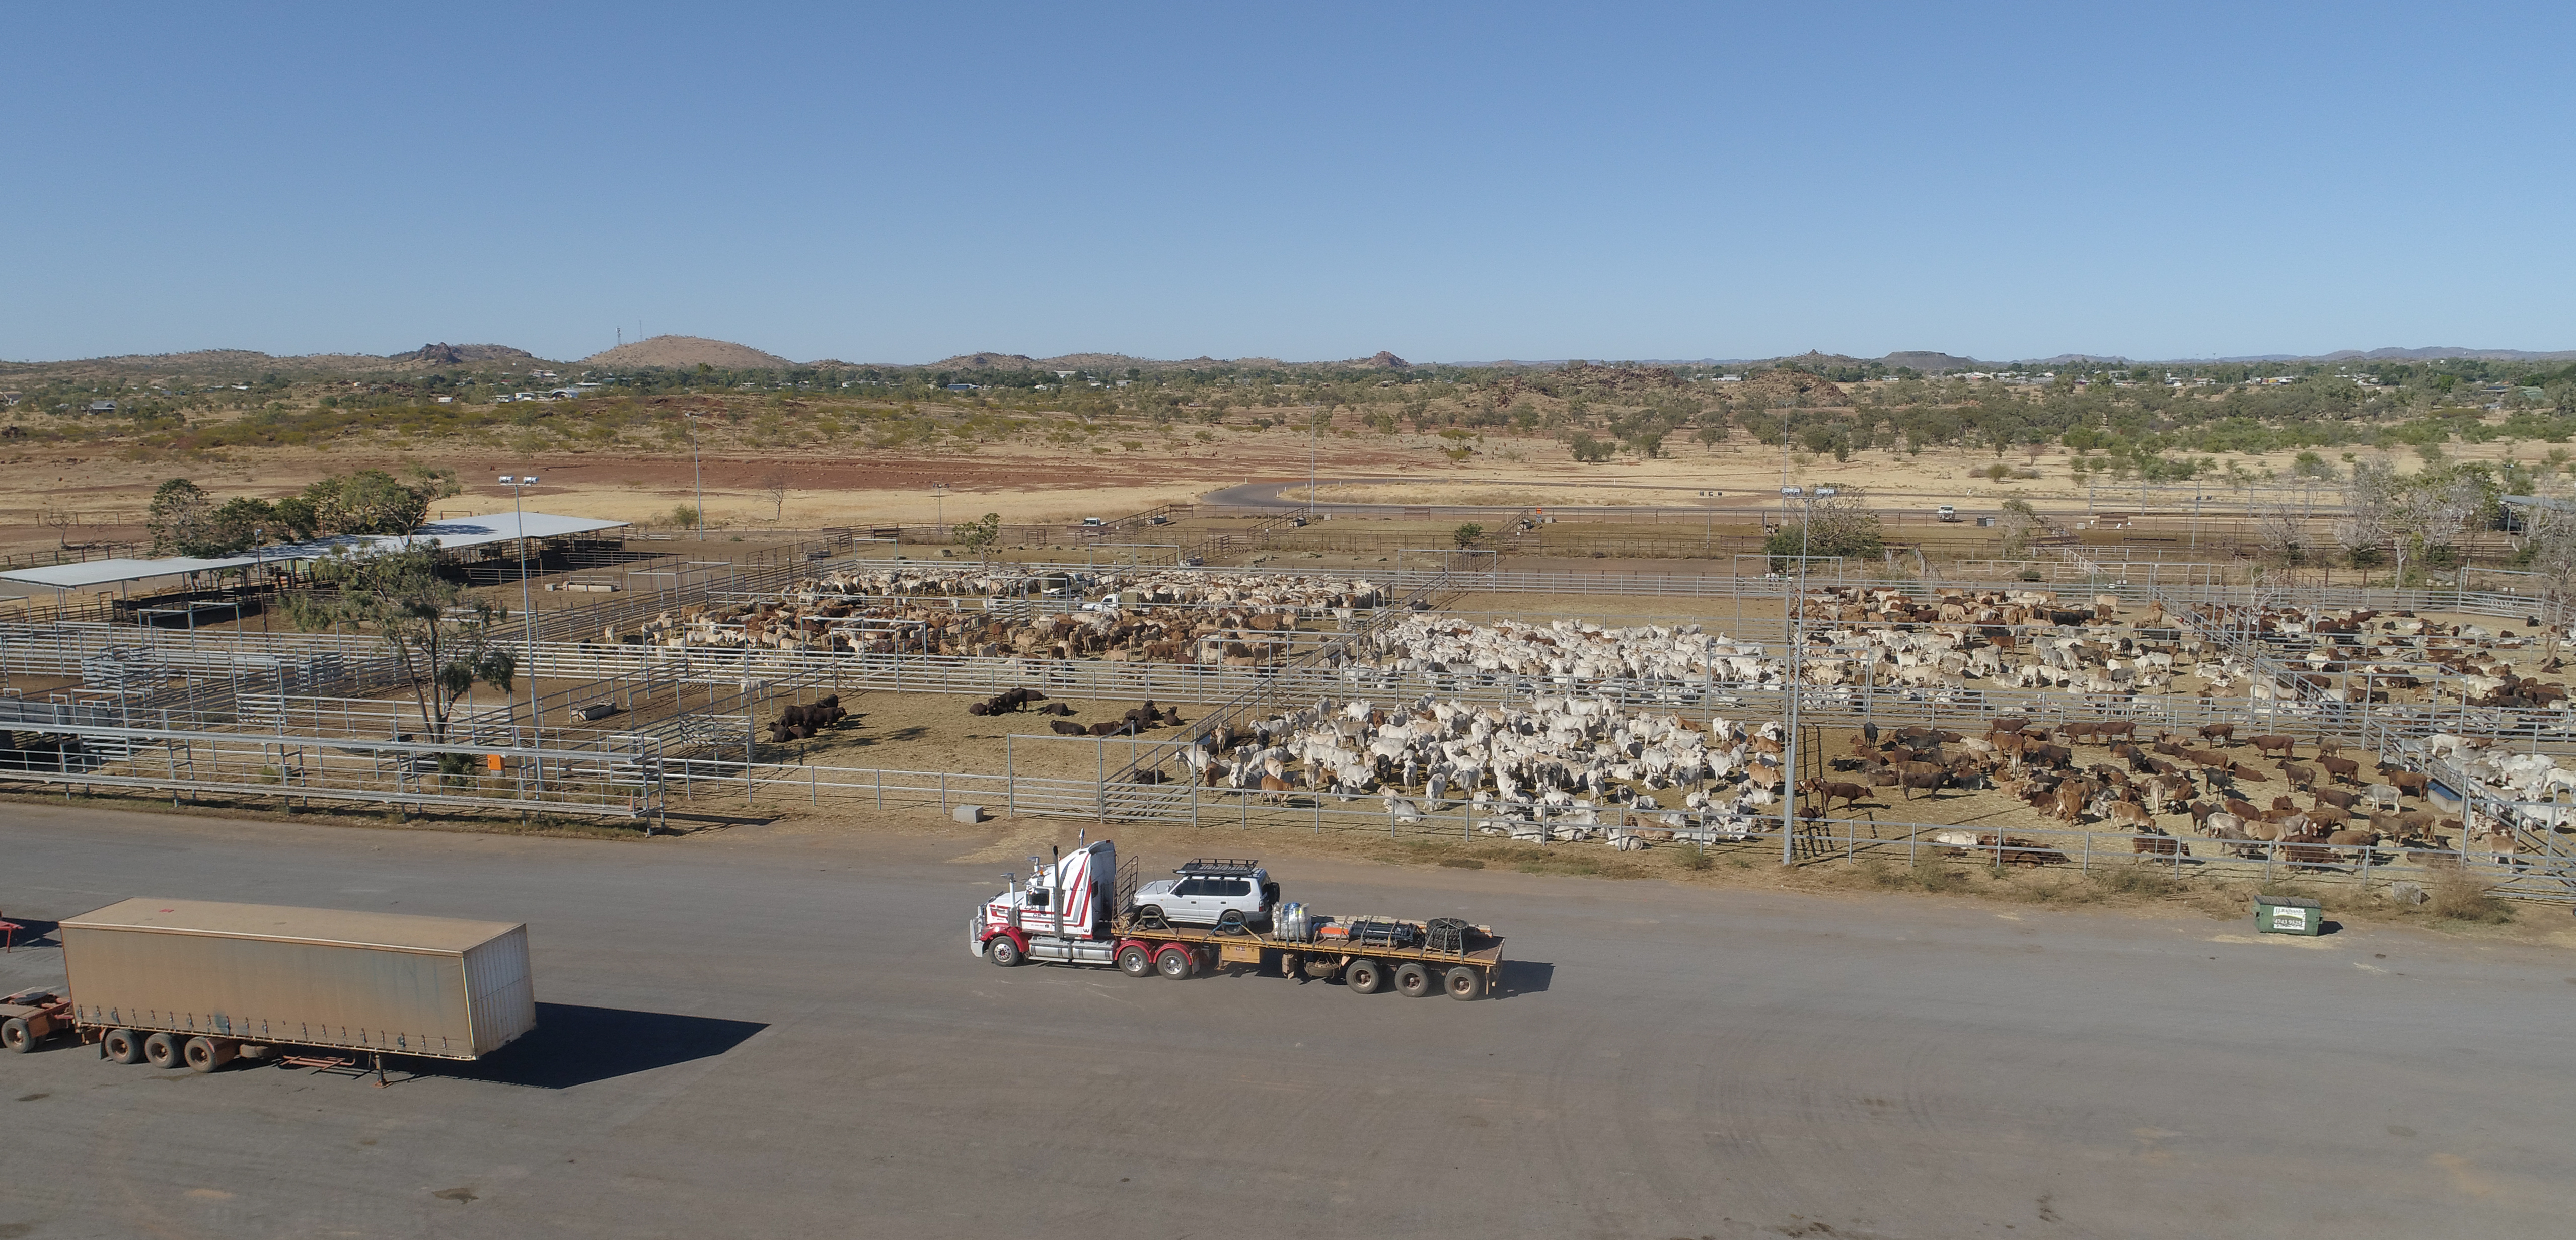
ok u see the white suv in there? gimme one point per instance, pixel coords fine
(1211, 891)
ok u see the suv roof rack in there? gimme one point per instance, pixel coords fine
(1219, 867)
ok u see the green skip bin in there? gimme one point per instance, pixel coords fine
(2288, 915)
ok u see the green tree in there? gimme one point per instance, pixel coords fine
(372, 501)
(1467, 535)
(1840, 525)
(981, 536)
(400, 597)
(178, 517)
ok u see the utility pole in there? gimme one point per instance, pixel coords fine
(518, 484)
(1796, 628)
(695, 475)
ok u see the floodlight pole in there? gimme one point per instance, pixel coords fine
(528, 614)
(259, 551)
(696, 475)
(939, 509)
(1797, 631)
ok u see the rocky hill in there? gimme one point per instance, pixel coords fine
(684, 352)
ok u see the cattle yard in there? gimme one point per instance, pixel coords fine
(2375, 737)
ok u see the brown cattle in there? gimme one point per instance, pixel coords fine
(2300, 777)
(2160, 845)
(2266, 745)
(2223, 733)
(2344, 769)
(2308, 851)
(1848, 793)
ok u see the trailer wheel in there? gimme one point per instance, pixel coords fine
(206, 1054)
(1465, 983)
(1413, 979)
(1003, 950)
(123, 1045)
(162, 1051)
(1365, 977)
(1135, 961)
(16, 1036)
(1175, 962)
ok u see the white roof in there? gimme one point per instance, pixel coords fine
(450, 535)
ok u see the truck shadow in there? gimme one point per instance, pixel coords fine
(576, 1045)
(31, 932)
(1524, 977)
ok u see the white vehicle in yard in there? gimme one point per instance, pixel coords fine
(1212, 891)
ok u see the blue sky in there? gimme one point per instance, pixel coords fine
(1308, 181)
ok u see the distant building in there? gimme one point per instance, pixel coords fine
(961, 387)
(102, 406)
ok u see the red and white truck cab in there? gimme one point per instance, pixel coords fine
(1068, 910)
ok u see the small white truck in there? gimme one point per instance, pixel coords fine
(1946, 512)
(1082, 908)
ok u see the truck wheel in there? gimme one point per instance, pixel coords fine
(1003, 950)
(1465, 983)
(1135, 961)
(1365, 977)
(1175, 962)
(162, 1051)
(206, 1054)
(14, 1035)
(123, 1045)
(1413, 979)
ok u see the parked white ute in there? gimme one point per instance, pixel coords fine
(1211, 891)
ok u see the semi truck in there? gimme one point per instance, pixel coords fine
(199, 984)
(1081, 908)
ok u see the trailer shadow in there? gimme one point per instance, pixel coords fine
(31, 932)
(575, 1045)
(1524, 977)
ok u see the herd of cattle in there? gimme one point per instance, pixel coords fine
(1571, 767)
(1572, 760)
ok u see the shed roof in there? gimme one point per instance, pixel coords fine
(451, 535)
(296, 925)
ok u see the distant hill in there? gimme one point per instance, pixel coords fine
(463, 354)
(684, 352)
(245, 363)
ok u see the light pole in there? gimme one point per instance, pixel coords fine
(1797, 631)
(1312, 430)
(695, 474)
(519, 483)
(939, 509)
(259, 551)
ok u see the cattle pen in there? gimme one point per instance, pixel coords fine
(678, 707)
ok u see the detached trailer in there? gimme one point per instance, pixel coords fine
(197, 983)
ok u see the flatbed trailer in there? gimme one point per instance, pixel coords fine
(1071, 913)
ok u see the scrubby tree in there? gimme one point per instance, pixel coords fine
(1840, 525)
(981, 536)
(441, 646)
(1467, 535)
(178, 517)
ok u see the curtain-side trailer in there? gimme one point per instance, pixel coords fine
(197, 983)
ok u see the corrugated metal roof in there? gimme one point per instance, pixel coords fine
(451, 535)
(299, 925)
